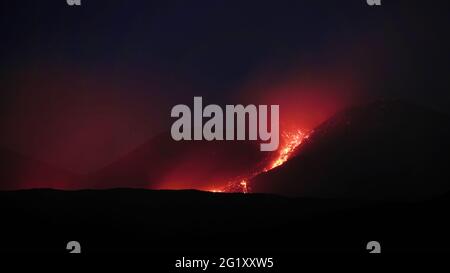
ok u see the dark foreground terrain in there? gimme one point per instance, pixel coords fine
(188, 222)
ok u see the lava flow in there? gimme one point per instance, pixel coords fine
(290, 141)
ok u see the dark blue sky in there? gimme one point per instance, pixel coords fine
(216, 44)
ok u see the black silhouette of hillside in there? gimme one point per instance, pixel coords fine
(203, 223)
(387, 149)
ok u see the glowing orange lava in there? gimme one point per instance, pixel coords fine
(290, 141)
(244, 186)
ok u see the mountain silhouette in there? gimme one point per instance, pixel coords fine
(22, 172)
(382, 150)
(163, 163)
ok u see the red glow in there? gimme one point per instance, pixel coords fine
(291, 140)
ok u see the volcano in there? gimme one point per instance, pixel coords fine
(163, 163)
(382, 150)
(225, 166)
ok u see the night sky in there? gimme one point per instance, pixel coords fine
(81, 86)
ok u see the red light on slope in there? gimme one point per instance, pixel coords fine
(290, 141)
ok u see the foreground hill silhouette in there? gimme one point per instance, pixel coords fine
(387, 149)
(202, 223)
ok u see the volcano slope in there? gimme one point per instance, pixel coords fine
(384, 150)
(163, 163)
